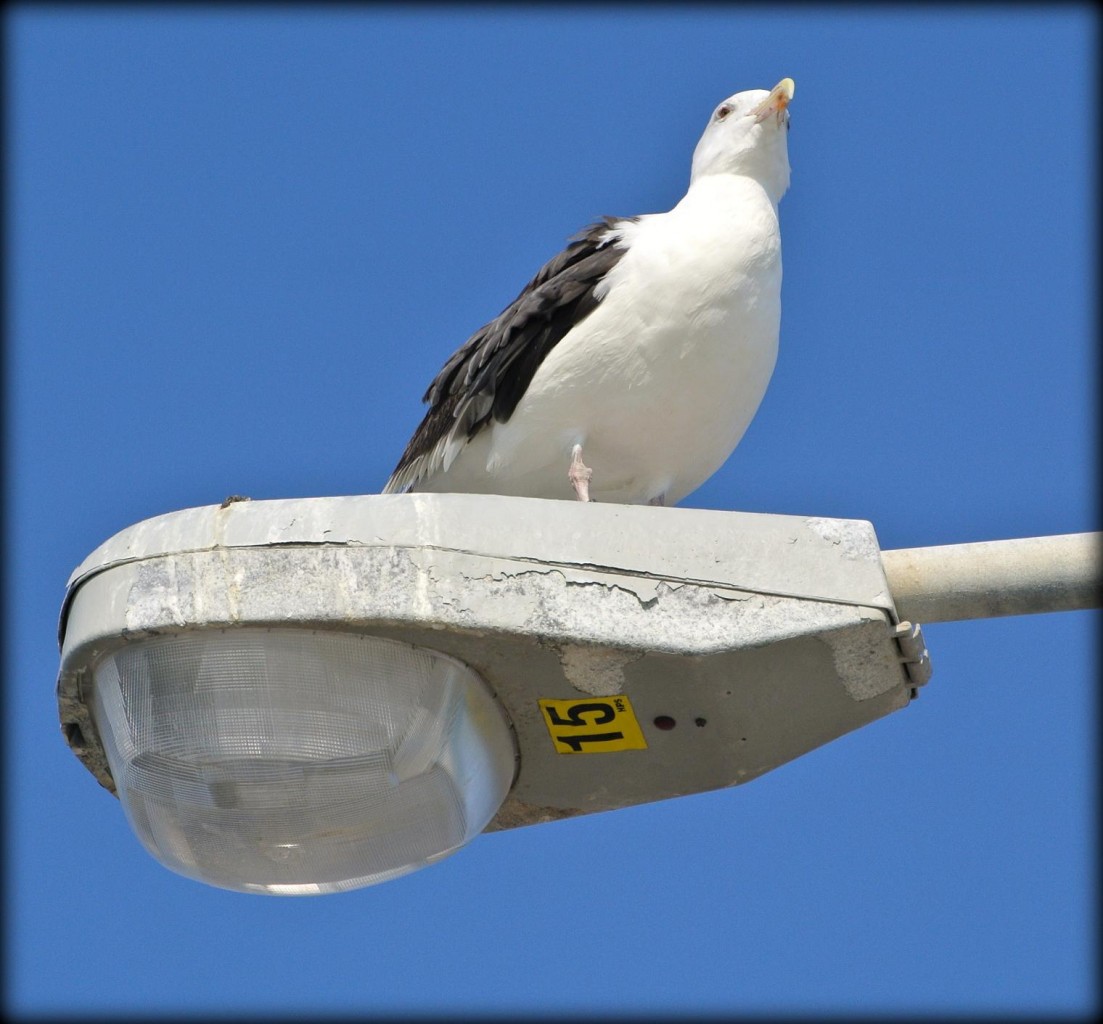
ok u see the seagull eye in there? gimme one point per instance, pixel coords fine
(722, 111)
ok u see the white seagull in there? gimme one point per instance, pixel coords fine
(629, 367)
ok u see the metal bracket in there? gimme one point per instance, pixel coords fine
(914, 655)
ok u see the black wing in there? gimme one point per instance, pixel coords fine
(489, 373)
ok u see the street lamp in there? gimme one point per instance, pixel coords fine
(296, 761)
(308, 696)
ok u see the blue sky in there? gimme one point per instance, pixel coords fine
(243, 240)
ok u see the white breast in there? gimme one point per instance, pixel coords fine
(660, 382)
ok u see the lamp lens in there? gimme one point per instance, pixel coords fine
(297, 762)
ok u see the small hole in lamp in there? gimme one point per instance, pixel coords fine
(665, 722)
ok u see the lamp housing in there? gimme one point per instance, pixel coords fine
(307, 695)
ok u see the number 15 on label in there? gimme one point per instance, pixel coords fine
(596, 725)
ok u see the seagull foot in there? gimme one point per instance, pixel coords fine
(579, 474)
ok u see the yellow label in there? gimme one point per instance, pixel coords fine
(595, 725)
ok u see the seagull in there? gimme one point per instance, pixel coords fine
(630, 366)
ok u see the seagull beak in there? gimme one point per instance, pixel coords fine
(781, 95)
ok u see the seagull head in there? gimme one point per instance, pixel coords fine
(747, 135)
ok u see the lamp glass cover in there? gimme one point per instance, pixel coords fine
(294, 761)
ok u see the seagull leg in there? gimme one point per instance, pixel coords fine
(579, 474)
